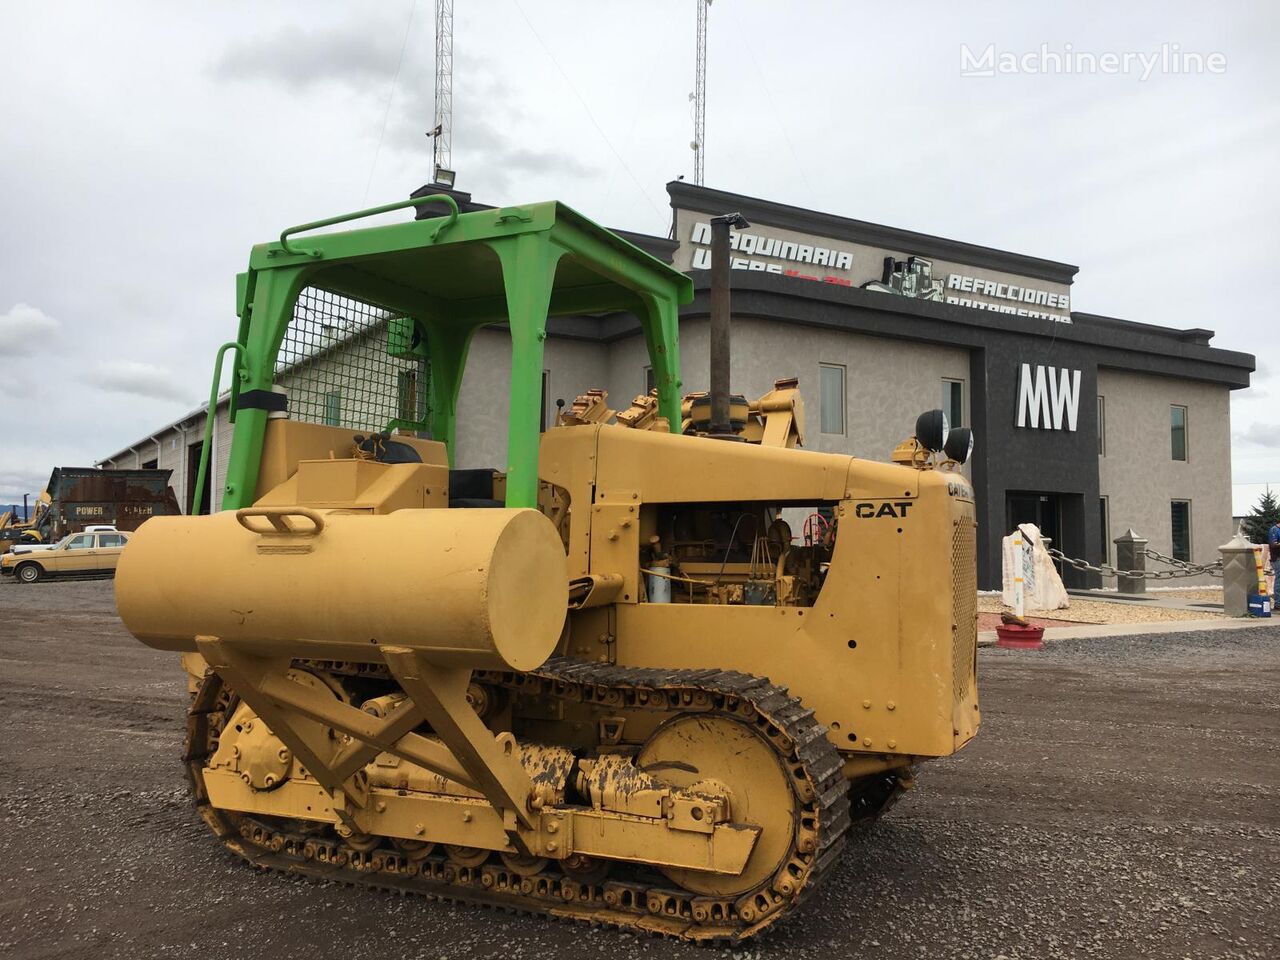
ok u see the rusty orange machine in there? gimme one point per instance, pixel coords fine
(642, 676)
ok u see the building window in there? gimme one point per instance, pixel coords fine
(407, 394)
(953, 401)
(150, 465)
(1105, 527)
(1178, 431)
(1102, 426)
(1180, 515)
(333, 407)
(546, 398)
(649, 383)
(831, 398)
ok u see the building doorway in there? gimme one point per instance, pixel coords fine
(1061, 519)
(1042, 509)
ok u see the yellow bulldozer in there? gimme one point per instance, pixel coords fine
(649, 675)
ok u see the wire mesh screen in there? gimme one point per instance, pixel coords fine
(335, 366)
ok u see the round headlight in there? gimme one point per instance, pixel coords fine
(959, 445)
(932, 429)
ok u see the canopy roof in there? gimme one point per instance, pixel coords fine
(451, 275)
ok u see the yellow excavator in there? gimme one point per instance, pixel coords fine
(649, 675)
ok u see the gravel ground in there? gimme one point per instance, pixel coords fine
(1102, 611)
(1122, 800)
(1189, 594)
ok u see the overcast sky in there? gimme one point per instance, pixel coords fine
(145, 146)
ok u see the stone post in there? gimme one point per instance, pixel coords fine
(1131, 555)
(1239, 576)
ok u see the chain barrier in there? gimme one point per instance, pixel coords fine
(1181, 567)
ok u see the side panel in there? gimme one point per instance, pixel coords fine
(873, 658)
(884, 656)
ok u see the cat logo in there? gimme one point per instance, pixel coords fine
(865, 511)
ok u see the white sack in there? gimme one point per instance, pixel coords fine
(1042, 588)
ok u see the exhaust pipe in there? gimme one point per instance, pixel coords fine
(720, 350)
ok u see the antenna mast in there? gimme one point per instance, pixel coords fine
(700, 96)
(442, 164)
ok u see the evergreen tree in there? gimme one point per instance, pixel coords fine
(1264, 514)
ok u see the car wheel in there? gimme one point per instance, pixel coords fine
(29, 572)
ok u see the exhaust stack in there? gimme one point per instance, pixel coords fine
(720, 348)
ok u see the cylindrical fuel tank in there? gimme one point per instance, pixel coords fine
(479, 588)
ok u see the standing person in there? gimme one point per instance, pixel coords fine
(1273, 544)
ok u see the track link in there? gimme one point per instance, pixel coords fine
(636, 898)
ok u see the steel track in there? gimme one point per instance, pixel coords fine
(635, 897)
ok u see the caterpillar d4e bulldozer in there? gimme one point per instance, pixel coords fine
(606, 683)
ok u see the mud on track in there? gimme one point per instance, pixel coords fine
(1122, 800)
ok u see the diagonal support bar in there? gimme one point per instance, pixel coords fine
(398, 724)
(372, 736)
(299, 717)
(492, 763)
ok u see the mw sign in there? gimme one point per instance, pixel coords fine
(1048, 397)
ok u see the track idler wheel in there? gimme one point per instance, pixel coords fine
(524, 864)
(720, 754)
(415, 850)
(584, 869)
(466, 856)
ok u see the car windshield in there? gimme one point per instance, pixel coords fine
(61, 544)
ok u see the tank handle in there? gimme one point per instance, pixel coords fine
(279, 525)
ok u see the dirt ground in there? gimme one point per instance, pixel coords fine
(1121, 800)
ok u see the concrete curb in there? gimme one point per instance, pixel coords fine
(1090, 631)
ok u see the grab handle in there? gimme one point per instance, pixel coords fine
(279, 525)
(371, 212)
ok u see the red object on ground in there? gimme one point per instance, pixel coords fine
(1013, 637)
(989, 621)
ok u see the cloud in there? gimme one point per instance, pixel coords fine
(1261, 434)
(139, 379)
(24, 330)
(492, 121)
(300, 58)
(507, 161)
(15, 482)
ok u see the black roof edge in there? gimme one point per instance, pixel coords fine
(1197, 335)
(660, 248)
(1136, 338)
(711, 200)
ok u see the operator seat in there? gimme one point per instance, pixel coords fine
(472, 488)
